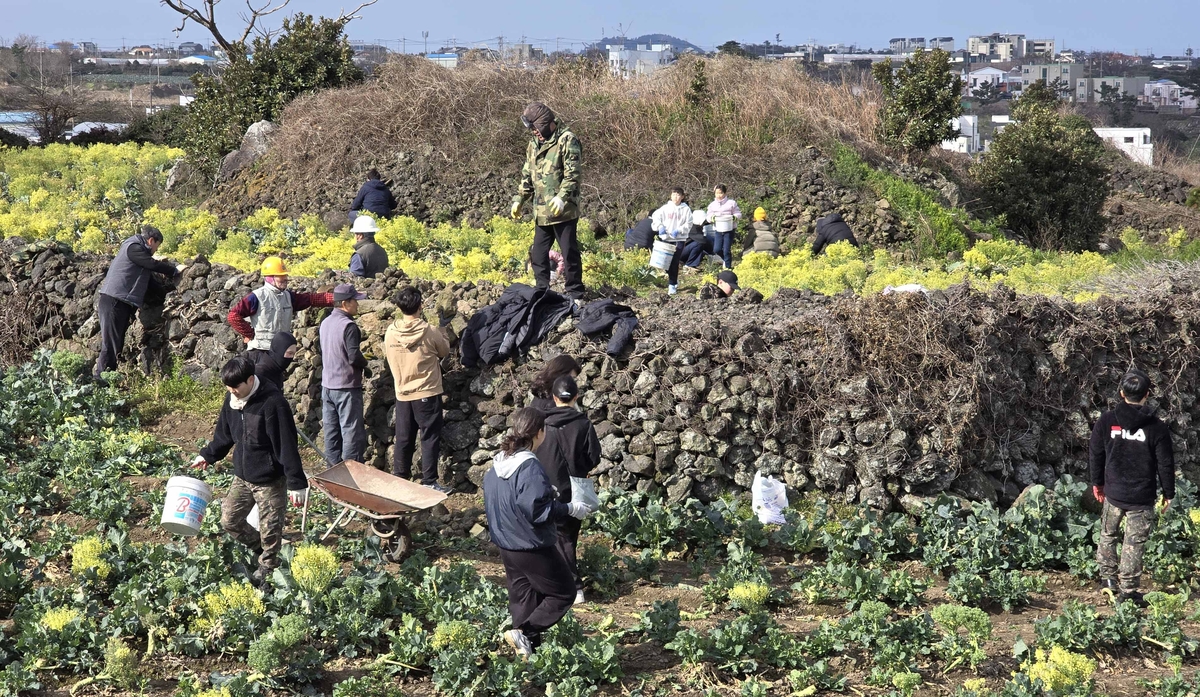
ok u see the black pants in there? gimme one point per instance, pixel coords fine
(539, 255)
(540, 589)
(115, 317)
(673, 269)
(568, 545)
(423, 416)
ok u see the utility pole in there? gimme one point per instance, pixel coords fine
(425, 36)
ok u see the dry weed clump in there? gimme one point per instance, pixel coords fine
(1179, 164)
(696, 123)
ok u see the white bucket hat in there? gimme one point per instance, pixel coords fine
(364, 225)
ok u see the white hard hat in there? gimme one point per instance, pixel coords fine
(364, 225)
(698, 217)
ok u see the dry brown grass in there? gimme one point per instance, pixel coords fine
(1179, 164)
(639, 135)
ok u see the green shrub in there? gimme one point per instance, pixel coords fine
(919, 101)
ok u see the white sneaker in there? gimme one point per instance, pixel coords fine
(672, 290)
(520, 643)
(579, 598)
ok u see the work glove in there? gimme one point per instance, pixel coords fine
(557, 206)
(1098, 492)
(579, 510)
(1166, 503)
(200, 463)
(516, 210)
(298, 498)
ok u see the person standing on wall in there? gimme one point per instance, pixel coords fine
(257, 424)
(570, 449)
(342, 365)
(551, 178)
(522, 514)
(262, 314)
(369, 259)
(414, 352)
(129, 277)
(1131, 455)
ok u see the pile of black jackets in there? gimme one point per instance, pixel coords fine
(519, 320)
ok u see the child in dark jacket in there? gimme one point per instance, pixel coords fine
(571, 449)
(257, 419)
(1131, 455)
(522, 513)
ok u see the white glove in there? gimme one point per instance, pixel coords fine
(557, 205)
(516, 209)
(200, 463)
(711, 218)
(579, 510)
(298, 498)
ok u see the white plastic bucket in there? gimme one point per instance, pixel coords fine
(660, 257)
(710, 234)
(187, 501)
(723, 223)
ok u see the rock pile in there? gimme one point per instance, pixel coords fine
(883, 399)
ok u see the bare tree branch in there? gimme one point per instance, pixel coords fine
(343, 17)
(204, 15)
(256, 14)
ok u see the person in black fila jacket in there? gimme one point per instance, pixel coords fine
(1131, 455)
(522, 512)
(571, 449)
(257, 420)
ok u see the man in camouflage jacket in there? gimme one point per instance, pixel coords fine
(551, 178)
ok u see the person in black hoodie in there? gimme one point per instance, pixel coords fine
(373, 196)
(1130, 457)
(830, 230)
(272, 366)
(257, 420)
(522, 513)
(571, 449)
(543, 385)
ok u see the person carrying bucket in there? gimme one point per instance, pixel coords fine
(672, 223)
(257, 424)
(722, 213)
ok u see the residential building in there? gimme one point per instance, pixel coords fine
(1134, 142)
(643, 60)
(141, 52)
(523, 53)
(967, 141)
(1039, 47)
(898, 45)
(1087, 89)
(1069, 73)
(946, 43)
(1167, 93)
(997, 47)
(1167, 62)
(972, 80)
(88, 47)
(446, 60)
(190, 48)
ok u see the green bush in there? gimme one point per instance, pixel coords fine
(1046, 175)
(919, 101)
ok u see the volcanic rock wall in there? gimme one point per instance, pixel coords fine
(884, 399)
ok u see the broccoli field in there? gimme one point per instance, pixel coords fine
(683, 599)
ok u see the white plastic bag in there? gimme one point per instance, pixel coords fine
(769, 499)
(583, 490)
(252, 517)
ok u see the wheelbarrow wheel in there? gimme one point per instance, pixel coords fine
(394, 538)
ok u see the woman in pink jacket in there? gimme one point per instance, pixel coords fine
(723, 205)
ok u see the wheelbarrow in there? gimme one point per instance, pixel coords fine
(384, 498)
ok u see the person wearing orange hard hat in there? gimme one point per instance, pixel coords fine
(268, 310)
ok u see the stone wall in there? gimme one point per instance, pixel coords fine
(884, 399)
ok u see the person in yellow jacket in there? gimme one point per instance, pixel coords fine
(414, 351)
(551, 178)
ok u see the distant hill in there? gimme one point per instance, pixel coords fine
(679, 45)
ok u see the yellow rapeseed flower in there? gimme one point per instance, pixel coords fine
(749, 596)
(86, 555)
(1061, 670)
(58, 618)
(314, 568)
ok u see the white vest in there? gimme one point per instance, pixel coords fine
(274, 315)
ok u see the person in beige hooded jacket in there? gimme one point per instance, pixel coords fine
(414, 350)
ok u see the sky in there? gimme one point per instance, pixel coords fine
(1164, 27)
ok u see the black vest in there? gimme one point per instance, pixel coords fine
(374, 258)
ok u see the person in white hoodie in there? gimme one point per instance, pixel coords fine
(523, 511)
(673, 222)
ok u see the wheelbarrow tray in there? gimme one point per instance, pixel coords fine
(362, 486)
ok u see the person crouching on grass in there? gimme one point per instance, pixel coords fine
(523, 512)
(1131, 455)
(266, 462)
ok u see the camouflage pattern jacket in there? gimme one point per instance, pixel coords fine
(552, 169)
